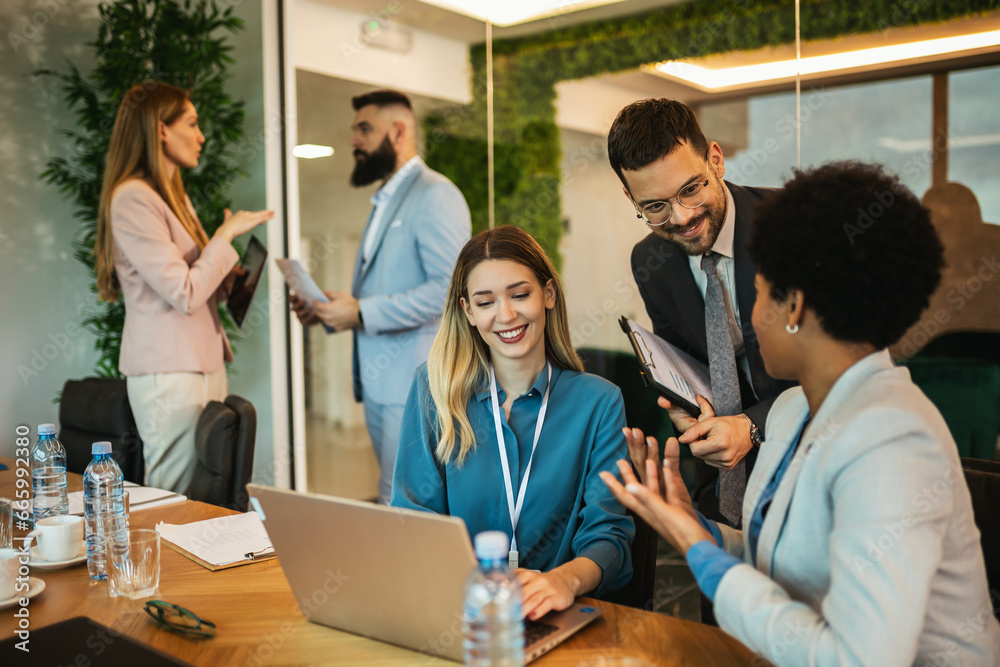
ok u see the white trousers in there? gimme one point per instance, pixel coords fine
(166, 407)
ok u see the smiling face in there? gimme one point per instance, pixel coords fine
(507, 305)
(693, 230)
(182, 139)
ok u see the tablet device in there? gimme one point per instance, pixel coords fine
(84, 641)
(252, 265)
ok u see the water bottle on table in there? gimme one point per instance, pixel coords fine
(48, 474)
(494, 629)
(104, 507)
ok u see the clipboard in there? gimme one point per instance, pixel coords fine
(256, 558)
(230, 540)
(669, 370)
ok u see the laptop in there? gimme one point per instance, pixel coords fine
(391, 574)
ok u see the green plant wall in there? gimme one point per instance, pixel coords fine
(182, 42)
(526, 70)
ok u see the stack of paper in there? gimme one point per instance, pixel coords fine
(139, 498)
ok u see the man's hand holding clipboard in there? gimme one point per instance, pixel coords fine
(686, 388)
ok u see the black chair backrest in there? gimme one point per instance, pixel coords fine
(243, 456)
(224, 438)
(983, 478)
(95, 409)
(967, 344)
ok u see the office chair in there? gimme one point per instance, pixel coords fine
(983, 478)
(224, 438)
(95, 409)
(967, 392)
(641, 411)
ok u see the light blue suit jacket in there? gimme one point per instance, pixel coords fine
(401, 288)
(869, 554)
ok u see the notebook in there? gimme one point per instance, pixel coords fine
(391, 574)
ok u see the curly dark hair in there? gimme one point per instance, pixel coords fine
(858, 244)
(647, 130)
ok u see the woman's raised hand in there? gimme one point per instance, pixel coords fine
(241, 222)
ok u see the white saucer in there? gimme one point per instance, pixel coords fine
(35, 586)
(39, 563)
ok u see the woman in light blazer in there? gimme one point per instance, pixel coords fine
(859, 545)
(152, 250)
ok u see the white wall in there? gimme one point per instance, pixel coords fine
(45, 293)
(596, 249)
(328, 41)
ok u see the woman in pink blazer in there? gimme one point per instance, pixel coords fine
(152, 250)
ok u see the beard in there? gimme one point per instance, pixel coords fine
(697, 245)
(374, 166)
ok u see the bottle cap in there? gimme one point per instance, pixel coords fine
(491, 545)
(100, 448)
(46, 429)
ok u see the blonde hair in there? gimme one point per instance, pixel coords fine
(459, 360)
(135, 150)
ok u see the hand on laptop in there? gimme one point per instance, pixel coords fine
(556, 589)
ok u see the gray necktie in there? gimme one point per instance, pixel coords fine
(719, 324)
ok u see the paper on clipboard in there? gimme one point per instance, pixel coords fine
(669, 367)
(299, 280)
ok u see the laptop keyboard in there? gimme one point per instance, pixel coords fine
(536, 631)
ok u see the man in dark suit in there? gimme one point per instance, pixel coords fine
(673, 177)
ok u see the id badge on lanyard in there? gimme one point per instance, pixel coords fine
(515, 508)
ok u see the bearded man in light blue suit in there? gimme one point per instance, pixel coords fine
(418, 224)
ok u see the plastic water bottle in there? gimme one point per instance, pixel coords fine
(104, 507)
(48, 474)
(492, 623)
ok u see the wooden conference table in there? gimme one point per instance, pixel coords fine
(259, 623)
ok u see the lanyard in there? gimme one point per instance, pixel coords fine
(515, 509)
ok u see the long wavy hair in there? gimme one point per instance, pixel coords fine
(136, 151)
(459, 360)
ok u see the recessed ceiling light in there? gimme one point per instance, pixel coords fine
(312, 151)
(714, 80)
(512, 12)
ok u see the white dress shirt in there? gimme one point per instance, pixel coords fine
(381, 197)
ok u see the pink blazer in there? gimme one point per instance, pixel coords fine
(171, 321)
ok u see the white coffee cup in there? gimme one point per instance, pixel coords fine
(58, 537)
(9, 564)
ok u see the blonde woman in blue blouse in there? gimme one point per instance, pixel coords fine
(503, 429)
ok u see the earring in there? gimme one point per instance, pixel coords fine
(638, 215)
(792, 328)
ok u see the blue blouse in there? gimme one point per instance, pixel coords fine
(568, 511)
(708, 562)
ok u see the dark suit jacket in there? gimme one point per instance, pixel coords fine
(677, 309)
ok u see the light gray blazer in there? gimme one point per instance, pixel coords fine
(868, 554)
(402, 286)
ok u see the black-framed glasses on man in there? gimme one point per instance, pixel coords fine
(658, 213)
(179, 619)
